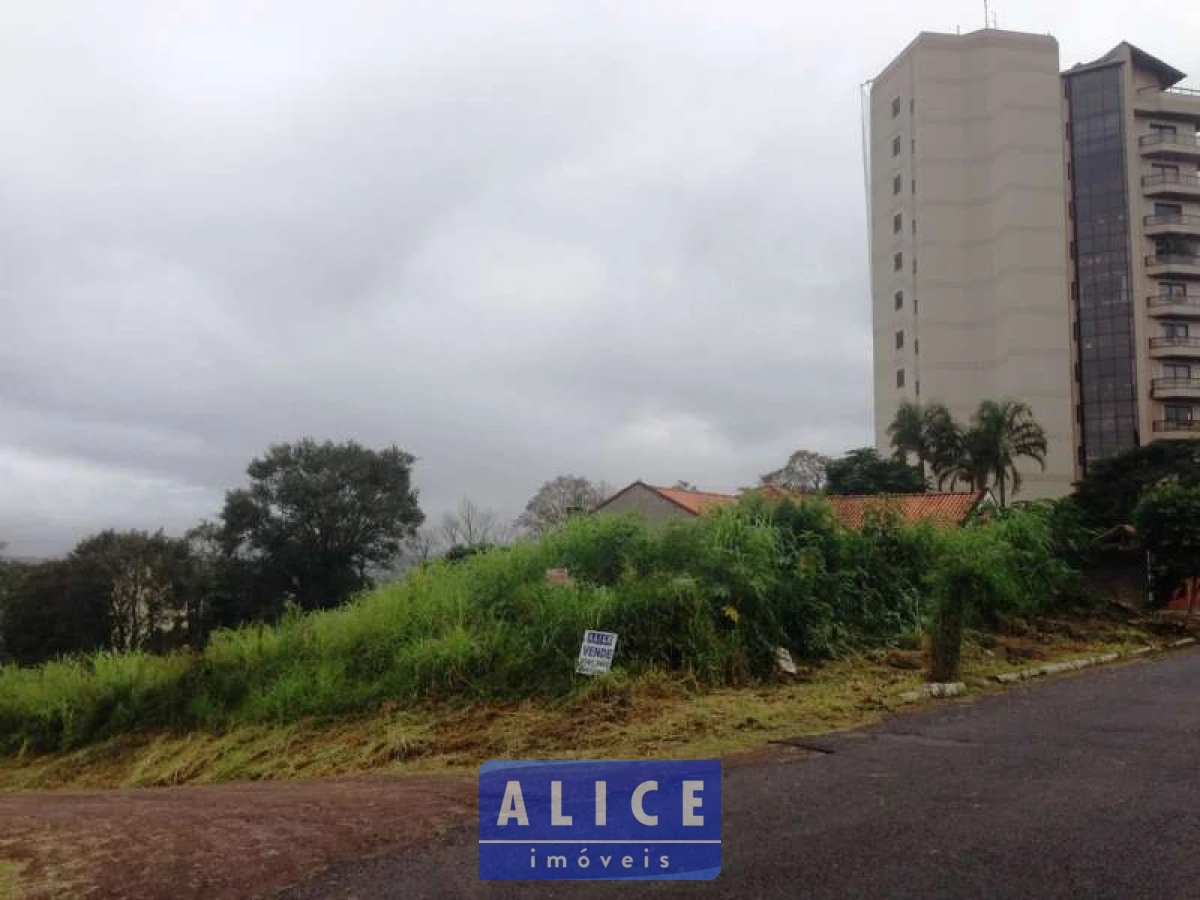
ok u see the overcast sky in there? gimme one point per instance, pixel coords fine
(618, 239)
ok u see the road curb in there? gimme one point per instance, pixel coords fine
(958, 688)
(1086, 662)
(935, 689)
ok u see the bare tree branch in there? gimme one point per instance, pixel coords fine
(558, 499)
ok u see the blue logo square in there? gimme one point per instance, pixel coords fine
(613, 820)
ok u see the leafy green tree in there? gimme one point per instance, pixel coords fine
(1110, 490)
(864, 471)
(228, 588)
(459, 552)
(55, 609)
(319, 517)
(12, 574)
(123, 591)
(146, 583)
(1167, 519)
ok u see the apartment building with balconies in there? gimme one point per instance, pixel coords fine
(1036, 234)
(1132, 155)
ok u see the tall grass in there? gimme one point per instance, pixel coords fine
(710, 599)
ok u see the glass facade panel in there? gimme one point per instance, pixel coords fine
(1103, 302)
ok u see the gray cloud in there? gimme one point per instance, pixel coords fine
(617, 239)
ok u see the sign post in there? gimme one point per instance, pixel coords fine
(596, 654)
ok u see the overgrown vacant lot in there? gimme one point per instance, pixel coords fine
(459, 663)
(705, 602)
(175, 842)
(616, 717)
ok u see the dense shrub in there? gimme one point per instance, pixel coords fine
(711, 599)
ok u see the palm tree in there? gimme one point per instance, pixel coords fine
(943, 441)
(962, 458)
(1000, 434)
(908, 434)
(1003, 432)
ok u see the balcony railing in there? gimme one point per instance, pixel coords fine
(1164, 179)
(1187, 92)
(1175, 384)
(1169, 137)
(1177, 425)
(1173, 259)
(1163, 342)
(1173, 300)
(1172, 219)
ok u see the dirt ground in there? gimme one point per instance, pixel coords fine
(217, 842)
(231, 841)
(251, 839)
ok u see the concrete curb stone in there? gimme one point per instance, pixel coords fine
(958, 688)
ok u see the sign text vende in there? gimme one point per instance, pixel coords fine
(598, 819)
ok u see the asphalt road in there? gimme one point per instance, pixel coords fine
(1086, 786)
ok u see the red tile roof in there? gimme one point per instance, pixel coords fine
(949, 508)
(695, 502)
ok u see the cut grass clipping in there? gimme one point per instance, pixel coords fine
(655, 715)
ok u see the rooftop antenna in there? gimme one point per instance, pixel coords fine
(986, 14)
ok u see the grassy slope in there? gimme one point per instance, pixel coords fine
(9, 874)
(652, 716)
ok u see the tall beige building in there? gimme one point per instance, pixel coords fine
(1017, 249)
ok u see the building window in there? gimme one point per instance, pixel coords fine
(900, 340)
(895, 146)
(914, 265)
(914, 145)
(918, 388)
(1175, 329)
(912, 106)
(1177, 370)
(897, 223)
(914, 186)
(896, 182)
(895, 107)
(1163, 131)
(1170, 289)
(899, 378)
(898, 300)
(1105, 369)
(897, 262)
(1177, 413)
(914, 226)
(917, 348)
